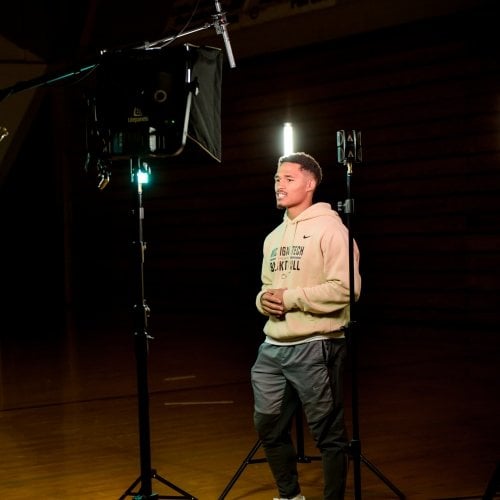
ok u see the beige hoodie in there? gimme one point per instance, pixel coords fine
(309, 256)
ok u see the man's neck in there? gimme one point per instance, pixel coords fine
(294, 212)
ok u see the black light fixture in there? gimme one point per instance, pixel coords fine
(148, 103)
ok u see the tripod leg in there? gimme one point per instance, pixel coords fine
(130, 489)
(186, 495)
(141, 496)
(372, 467)
(493, 485)
(248, 460)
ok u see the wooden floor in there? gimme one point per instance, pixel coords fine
(69, 428)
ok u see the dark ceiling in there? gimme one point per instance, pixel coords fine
(61, 31)
(58, 30)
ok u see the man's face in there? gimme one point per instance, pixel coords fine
(293, 187)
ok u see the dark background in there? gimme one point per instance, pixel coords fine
(425, 97)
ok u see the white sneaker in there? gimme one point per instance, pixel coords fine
(298, 497)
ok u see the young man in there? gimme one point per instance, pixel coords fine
(305, 295)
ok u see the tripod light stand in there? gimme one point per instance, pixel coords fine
(142, 109)
(348, 153)
(141, 338)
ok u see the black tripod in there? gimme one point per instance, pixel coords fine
(348, 153)
(141, 314)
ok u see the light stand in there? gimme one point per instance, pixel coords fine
(348, 153)
(141, 313)
(148, 116)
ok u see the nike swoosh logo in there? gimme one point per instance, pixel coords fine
(306, 236)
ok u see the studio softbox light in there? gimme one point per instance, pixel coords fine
(148, 103)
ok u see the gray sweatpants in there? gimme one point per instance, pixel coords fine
(311, 374)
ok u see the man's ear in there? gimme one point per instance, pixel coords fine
(311, 184)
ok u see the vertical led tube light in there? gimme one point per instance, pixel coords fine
(288, 146)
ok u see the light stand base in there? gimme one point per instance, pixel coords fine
(384, 479)
(138, 495)
(302, 458)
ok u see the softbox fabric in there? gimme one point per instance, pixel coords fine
(148, 102)
(205, 119)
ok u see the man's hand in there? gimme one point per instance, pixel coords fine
(272, 302)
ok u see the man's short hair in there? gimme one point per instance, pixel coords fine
(306, 161)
